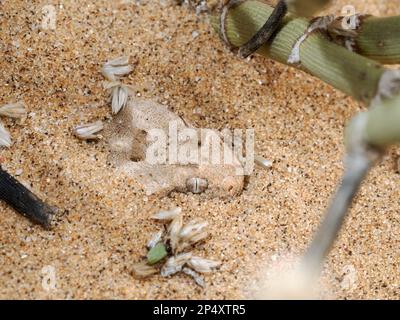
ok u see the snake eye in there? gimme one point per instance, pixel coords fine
(196, 185)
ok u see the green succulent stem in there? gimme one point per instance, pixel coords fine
(379, 39)
(351, 73)
(157, 253)
(366, 80)
(383, 126)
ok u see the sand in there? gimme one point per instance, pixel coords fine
(180, 62)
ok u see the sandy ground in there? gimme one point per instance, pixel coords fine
(180, 62)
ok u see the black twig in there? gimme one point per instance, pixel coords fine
(266, 32)
(24, 201)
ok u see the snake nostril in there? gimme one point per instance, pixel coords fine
(229, 184)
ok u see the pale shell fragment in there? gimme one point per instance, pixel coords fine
(175, 264)
(262, 162)
(89, 131)
(13, 110)
(5, 139)
(203, 265)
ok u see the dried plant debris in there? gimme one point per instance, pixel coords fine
(89, 131)
(119, 92)
(174, 232)
(345, 30)
(195, 231)
(5, 139)
(131, 139)
(196, 277)
(168, 215)
(175, 264)
(116, 68)
(119, 95)
(321, 24)
(143, 270)
(167, 257)
(155, 239)
(15, 110)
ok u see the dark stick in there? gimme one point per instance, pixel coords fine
(266, 32)
(24, 201)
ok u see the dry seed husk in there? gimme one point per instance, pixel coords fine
(156, 238)
(192, 228)
(183, 244)
(143, 270)
(89, 131)
(175, 264)
(191, 233)
(119, 98)
(203, 265)
(174, 230)
(13, 110)
(196, 277)
(167, 215)
(116, 68)
(5, 139)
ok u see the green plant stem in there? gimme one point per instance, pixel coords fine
(356, 75)
(347, 71)
(383, 126)
(351, 73)
(379, 39)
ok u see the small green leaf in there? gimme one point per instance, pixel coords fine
(157, 253)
